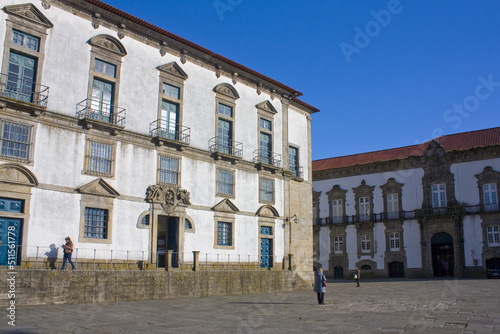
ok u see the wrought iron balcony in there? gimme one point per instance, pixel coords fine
(96, 111)
(267, 157)
(225, 147)
(11, 86)
(297, 171)
(170, 131)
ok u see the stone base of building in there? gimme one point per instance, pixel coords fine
(37, 287)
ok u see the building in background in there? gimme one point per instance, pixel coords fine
(145, 147)
(428, 210)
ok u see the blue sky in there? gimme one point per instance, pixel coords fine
(383, 73)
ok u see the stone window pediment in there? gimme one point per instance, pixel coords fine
(174, 69)
(29, 12)
(108, 43)
(227, 90)
(17, 174)
(225, 206)
(98, 187)
(267, 107)
(267, 211)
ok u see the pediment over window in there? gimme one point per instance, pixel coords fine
(488, 175)
(363, 189)
(28, 12)
(392, 186)
(267, 211)
(227, 90)
(173, 68)
(108, 43)
(267, 106)
(98, 187)
(225, 206)
(336, 192)
(17, 174)
(434, 149)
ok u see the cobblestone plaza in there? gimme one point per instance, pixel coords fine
(388, 306)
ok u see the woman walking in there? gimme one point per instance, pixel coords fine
(319, 285)
(68, 250)
(356, 275)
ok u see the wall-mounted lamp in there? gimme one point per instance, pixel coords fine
(294, 217)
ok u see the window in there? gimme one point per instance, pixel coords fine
(394, 241)
(266, 142)
(145, 220)
(438, 195)
(187, 224)
(365, 243)
(225, 183)
(293, 160)
(104, 81)
(490, 197)
(224, 234)
(364, 208)
(493, 235)
(96, 223)
(225, 129)
(15, 141)
(266, 190)
(392, 206)
(169, 170)
(25, 40)
(337, 210)
(99, 159)
(338, 247)
(23, 55)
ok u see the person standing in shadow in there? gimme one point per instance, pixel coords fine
(68, 250)
(319, 285)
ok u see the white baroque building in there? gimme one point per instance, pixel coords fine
(143, 146)
(428, 210)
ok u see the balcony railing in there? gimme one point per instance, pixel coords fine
(102, 112)
(169, 130)
(23, 90)
(229, 147)
(297, 171)
(267, 157)
(378, 217)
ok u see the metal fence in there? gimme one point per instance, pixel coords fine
(51, 257)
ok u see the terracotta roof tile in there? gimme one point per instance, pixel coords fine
(459, 141)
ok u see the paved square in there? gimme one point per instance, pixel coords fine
(383, 306)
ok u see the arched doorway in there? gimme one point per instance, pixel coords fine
(396, 269)
(338, 272)
(442, 255)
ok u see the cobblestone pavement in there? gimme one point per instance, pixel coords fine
(388, 306)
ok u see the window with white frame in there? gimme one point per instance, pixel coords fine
(365, 243)
(266, 190)
(438, 195)
(15, 141)
(224, 234)
(490, 197)
(169, 170)
(337, 210)
(293, 161)
(394, 241)
(96, 223)
(364, 208)
(493, 235)
(99, 159)
(225, 183)
(266, 141)
(392, 206)
(338, 245)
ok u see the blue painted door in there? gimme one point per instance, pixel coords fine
(10, 232)
(266, 256)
